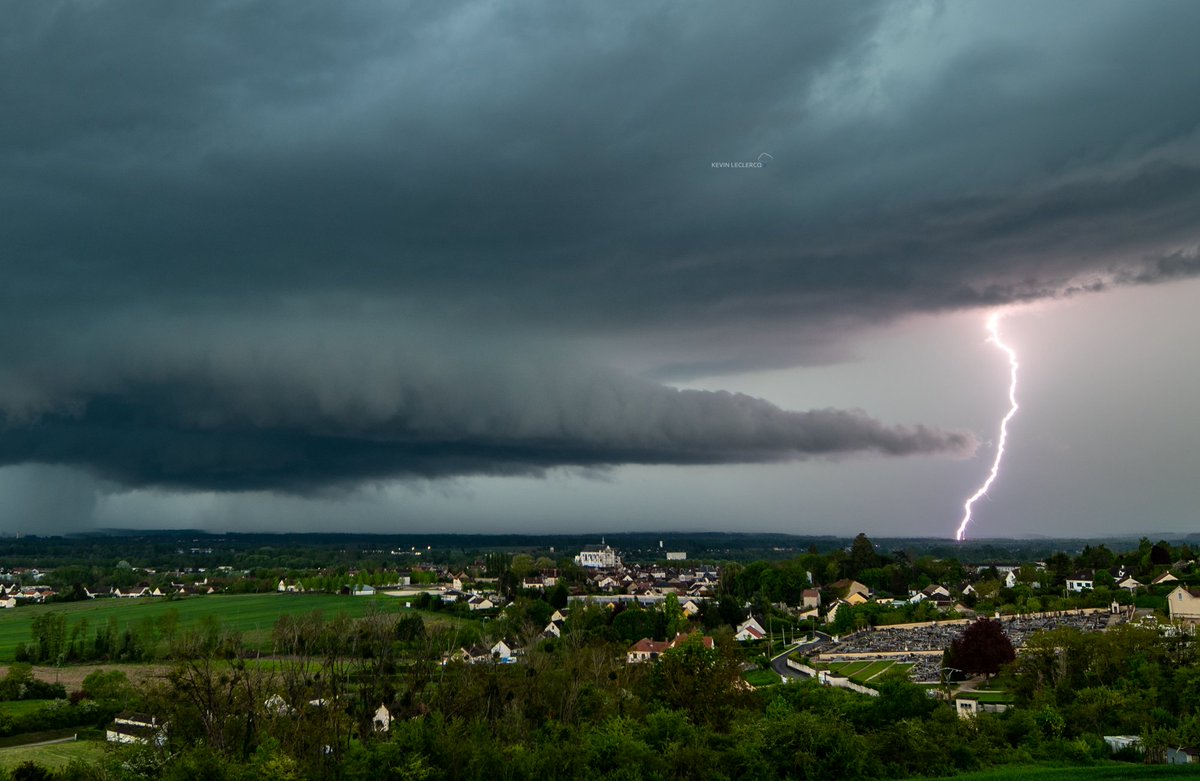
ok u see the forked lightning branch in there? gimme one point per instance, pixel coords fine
(993, 326)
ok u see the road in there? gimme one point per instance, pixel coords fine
(779, 662)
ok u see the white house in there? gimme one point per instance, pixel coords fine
(382, 721)
(504, 652)
(135, 728)
(750, 629)
(478, 602)
(1184, 604)
(1080, 583)
(1166, 577)
(1130, 583)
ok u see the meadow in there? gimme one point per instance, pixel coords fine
(54, 755)
(254, 615)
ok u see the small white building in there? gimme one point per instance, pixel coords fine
(135, 728)
(1080, 583)
(382, 721)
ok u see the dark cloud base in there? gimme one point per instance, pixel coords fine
(106, 441)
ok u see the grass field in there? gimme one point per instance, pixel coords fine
(1114, 771)
(55, 756)
(759, 678)
(252, 614)
(865, 672)
(21, 707)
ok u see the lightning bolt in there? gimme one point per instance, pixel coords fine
(993, 327)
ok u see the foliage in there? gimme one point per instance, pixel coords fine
(983, 647)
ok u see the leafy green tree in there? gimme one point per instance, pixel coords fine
(704, 682)
(673, 615)
(862, 556)
(559, 596)
(109, 686)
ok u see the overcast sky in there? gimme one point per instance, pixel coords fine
(543, 266)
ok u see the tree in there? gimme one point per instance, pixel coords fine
(559, 596)
(982, 648)
(675, 619)
(862, 555)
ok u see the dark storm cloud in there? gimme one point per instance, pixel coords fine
(543, 173)
(287, 427)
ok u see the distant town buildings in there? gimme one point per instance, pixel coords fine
(598, 557)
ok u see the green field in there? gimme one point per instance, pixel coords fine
(252, 614)
(759, 678)
(865, 672)
(22, 707)
(1111, 771)
(56, 755)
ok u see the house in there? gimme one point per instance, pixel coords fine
(935, 591)
(833, 610)
(810, 598)
(1182, 755)
(130, 727)
(473, 655)
(645, 650)
(968, 707)
(382, 720)
(11, 602)
(1118, 742)
(1184, 604)
(1166, 577)
(855, 598)
(1080, 583)
(690, 607)
(277, 705)
(132, 593)
(477, 602)
(845, 587)
(1010, 579)
(364, 591)
(747, 633)
(750, 629)
(554, 628)
(504, 652)
(1129, 583)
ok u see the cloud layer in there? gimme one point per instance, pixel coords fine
(259, 415)
(288, 245)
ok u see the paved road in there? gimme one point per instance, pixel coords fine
(779, 662)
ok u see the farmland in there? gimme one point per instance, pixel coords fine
(253, 615)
